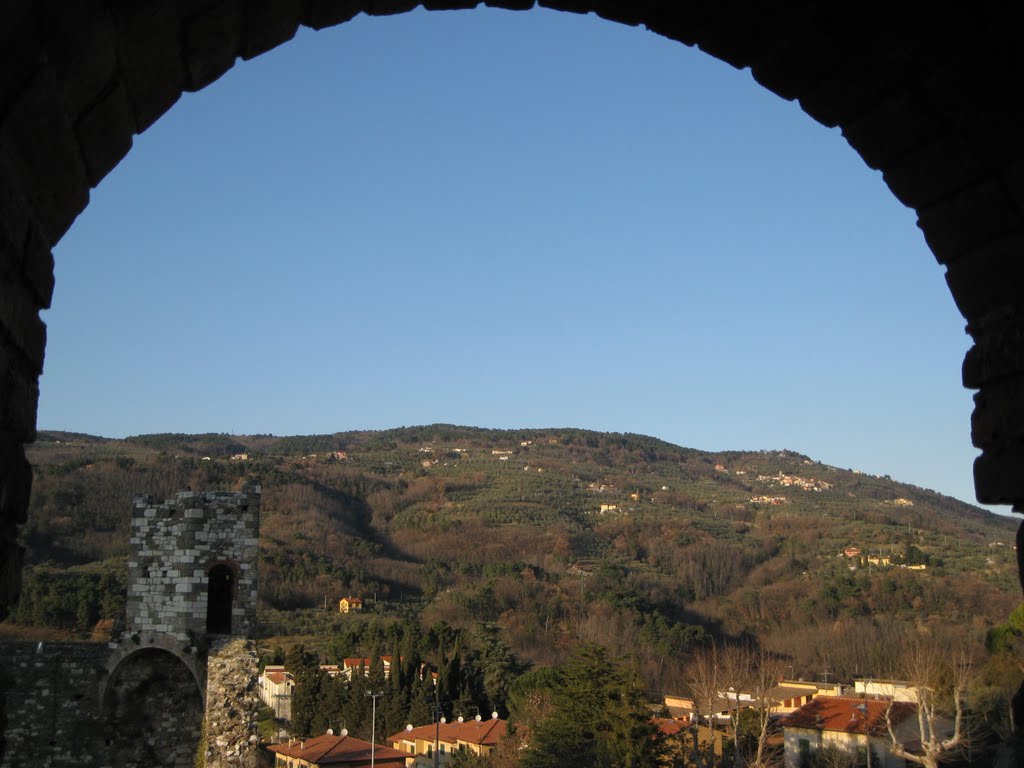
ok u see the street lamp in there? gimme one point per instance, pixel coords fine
(373, 724)
(863, 707)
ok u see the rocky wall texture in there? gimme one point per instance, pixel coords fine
(174, 547)
(232, 704)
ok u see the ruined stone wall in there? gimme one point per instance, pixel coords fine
(175, 544)
(232, 704)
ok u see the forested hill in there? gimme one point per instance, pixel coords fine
(556, 536)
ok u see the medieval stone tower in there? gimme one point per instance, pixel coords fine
(192, 568)
(184, 665)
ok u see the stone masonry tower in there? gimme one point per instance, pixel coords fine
(192, 568)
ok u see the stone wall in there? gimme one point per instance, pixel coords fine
(64, 709)
(152, 712)
(52, 694)
(232, 704)
(174, 546)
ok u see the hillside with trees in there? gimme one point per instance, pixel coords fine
(550, 540)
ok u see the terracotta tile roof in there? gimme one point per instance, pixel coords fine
(668, 726)
(844, 713)
(340, 750)
(277, 677)
(483, 732)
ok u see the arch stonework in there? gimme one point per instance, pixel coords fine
(931, 99)
(152, 711)
(151, 642)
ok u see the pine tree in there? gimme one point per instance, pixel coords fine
(597, 718)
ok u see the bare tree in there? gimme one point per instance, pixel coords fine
(763, 674)
(940, 676)
(705, 678)
(745, 678)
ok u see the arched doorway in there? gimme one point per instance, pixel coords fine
(220, 597)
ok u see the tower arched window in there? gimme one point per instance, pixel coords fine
(220, 592)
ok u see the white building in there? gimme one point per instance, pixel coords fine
(850, 724)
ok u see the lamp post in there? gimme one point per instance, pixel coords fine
(373, 724)
(863, 707)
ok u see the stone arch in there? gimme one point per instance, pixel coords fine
(152, 710)
(931, 100)
(137, 643)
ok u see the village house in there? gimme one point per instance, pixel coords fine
(276, 684)
(477, 736)
(849, 724)
(785, 697)
(349, 604)
(352, 664)
(343, 750)
(897, 690)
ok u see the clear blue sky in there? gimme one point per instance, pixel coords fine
(508, 220)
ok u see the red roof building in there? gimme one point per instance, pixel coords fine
(477, 736)
(848, 723)
(337, 751)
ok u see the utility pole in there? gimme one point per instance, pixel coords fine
(436, 702)
(373, 724)
(863, 707)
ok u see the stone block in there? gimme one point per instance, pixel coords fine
(933, 172)
(989, 278)
(849, 90)
(37, 267)
(890, 130)
(105, 131)
(44, 156)
(20, 49)
(972, 218)
(19, 318)
(81, 45)
(213, 40)
(998, 476)
(800, 57)
(149, 39)
(19, 394)
(390, 7)
(15, 482)
(328, 13)
(997, 418)
(268, 23)
(998, 350)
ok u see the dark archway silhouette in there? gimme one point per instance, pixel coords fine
(931, 97)
(220, 599)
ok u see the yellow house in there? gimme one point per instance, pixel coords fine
(477, 736)
(342, 751)
(349, 604)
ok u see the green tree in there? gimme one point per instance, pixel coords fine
(598, 718)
